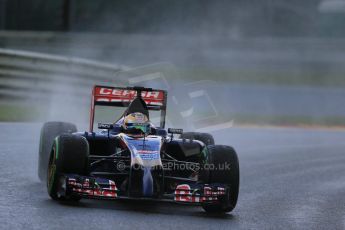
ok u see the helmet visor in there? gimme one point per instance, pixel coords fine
(143, 127)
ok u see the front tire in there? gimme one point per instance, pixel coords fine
(69, 154)
(49, 131)
(226, 171)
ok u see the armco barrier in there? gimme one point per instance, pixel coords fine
(34, 75)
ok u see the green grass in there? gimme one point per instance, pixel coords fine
(19, 113)
(308, 78)
(289, 120)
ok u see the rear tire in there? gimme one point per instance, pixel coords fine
(221, 155)
(49, 131)
(69, 154)
(205, 138)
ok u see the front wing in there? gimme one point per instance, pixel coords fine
(100, 188)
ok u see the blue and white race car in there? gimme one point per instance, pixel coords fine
(133, 159)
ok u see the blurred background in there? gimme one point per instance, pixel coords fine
(224, 62)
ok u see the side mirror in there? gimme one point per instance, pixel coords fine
(105, 126)
(173, 131)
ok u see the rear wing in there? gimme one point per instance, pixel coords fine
(155, 99)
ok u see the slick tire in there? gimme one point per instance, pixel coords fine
(205, 138)
(69, 155)
(49, 131)
(225, 171)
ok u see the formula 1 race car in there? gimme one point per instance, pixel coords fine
(133, 159)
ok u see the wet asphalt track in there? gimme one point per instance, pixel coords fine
(290, 179)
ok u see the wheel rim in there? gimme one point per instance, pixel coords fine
(51, 171)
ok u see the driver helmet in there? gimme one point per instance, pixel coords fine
(136, 124)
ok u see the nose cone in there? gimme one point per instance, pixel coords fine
(147, 182)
